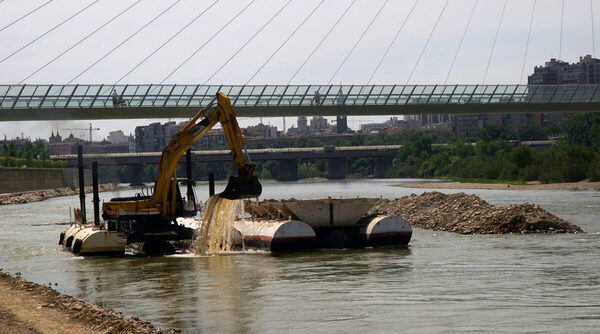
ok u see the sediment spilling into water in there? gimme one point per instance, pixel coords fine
(214, 234)
(469, 214)
(40, 195)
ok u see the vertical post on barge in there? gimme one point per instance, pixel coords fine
(211, 184)
(188, 169)
(96, 199)
(81, 182)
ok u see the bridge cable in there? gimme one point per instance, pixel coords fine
(285, 42)
(393, 41)
(494, 43)
(562, 18)
(358, 41)
(462, 38)
(49, 31)
(593, 37)
(322, 40)
(208, 41)
(167, 41)
(80, 41)
(528, 37)
(124, 41)
(24, 16)
(248, 41)
(427, 42)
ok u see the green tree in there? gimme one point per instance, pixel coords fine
(584, 129)
(356, 140)
(531, 133)
(362, 166)
(270, 169)
(521, 156)
(593, 172)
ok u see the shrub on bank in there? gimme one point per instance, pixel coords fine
(8, 161)
(572, 159)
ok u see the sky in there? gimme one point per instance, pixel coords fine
(268, 41)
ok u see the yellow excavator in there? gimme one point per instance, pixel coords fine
(150, 219)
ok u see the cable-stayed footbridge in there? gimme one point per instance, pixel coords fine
(263, 33)
(83, 102)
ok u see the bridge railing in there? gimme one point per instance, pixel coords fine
(196, 96)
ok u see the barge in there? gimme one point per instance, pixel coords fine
(329, 223)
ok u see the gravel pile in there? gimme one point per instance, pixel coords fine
(469, 214)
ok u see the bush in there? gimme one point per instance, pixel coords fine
(305, 172)
(529, 173)
(362, 166)
(565, 163)
(593, 172)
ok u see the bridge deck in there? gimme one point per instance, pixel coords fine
(56, 102)
(255, 154)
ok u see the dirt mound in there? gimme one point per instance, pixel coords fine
(92, 317)
(469, 214)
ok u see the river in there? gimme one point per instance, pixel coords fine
(441, 283)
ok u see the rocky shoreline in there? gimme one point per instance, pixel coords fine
(27, 307)
(468, 214)
(40, 195)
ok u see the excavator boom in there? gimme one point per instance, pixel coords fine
(246, 184)
(163, 200)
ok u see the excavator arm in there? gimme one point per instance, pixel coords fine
(245, 185)
(163, 200)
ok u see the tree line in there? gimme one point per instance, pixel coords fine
(492, 156)
(29, 155)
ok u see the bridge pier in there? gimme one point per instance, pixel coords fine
(382, 165)
(287, 170)
(136, 175)
(336, 168)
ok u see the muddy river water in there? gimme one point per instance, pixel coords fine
(441, 283)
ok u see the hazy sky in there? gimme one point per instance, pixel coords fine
(210, 54)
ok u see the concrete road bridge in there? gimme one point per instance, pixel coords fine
(382, 156)
(90, 102)
(286, 157)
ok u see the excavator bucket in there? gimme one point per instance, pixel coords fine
(239, 188)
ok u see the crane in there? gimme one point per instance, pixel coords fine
(84, 129)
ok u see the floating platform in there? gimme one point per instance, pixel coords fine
(115, 238)
(276, 226)
(283, 235)
(329, 212)
(323, 223)
(87, 240)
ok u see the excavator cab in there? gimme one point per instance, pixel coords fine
(186, 206)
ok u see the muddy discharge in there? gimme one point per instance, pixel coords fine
(214, 234)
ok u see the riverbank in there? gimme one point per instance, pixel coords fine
(581, 185)
(40, 195)
(30, 308)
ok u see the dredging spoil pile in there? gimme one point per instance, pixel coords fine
(469, 214)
